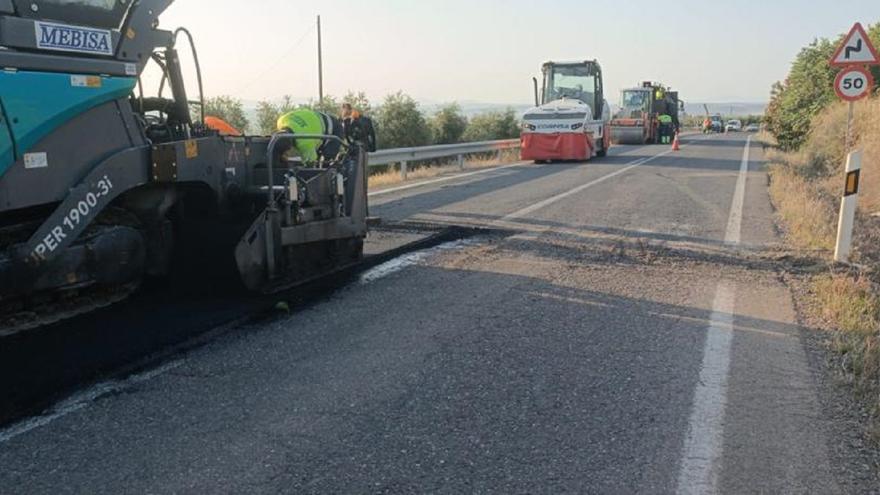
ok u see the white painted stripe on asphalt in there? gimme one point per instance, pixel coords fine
(407, 260)
(703, 449)
(443, 179)
(559, 197)
(82, 400)
(733, 235)
(701, 460)
(469, 174)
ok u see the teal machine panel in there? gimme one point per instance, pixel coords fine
(36, 103)
(7, 151)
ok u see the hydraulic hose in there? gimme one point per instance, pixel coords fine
(195, 54)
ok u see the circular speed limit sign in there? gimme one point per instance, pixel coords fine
(854, 83)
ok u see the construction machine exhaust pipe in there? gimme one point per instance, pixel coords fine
(535, 82)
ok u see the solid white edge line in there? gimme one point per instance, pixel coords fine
(701, 460)
(701, 457)
(733, 234)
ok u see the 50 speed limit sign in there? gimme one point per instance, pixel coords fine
(854, 83)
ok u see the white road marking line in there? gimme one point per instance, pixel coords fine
(703, 448)
(469, 174)
(443, 179)
(701, 460)
(82, 400)
(398, 264)
(559, 197)
(733, 235)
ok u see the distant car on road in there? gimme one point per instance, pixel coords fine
(733, 126)
(753, 128)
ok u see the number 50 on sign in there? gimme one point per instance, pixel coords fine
(854, 83)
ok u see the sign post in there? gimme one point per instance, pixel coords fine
(853, 83)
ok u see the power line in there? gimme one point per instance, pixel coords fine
(281, 58)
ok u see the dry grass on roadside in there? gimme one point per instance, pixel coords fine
(805, 185)
(868, 129)
(807, 218)
(392, 177)
(851, 305)
(805, 189)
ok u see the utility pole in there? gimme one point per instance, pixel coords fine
(320, 66)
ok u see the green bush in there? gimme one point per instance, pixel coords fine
(400, 124)
(808, 90)
(225, 107)
(448, 124)
(492, 126)
(359, 102)
(268, 113)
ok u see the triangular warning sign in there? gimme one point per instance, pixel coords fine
(856, 49)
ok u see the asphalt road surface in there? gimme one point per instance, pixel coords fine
(620, 327)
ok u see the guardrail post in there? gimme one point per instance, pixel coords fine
(461, 162)
(403, 170)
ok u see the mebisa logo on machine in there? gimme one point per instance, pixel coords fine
(51, 36)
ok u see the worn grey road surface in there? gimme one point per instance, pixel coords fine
(621, 329)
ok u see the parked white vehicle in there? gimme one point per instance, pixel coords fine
(733, 126)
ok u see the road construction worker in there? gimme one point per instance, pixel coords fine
(707, 126)
(307, 121)
(667, 128)
(358, 128)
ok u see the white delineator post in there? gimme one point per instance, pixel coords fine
(848, 206)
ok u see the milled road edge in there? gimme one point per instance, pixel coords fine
(64, 402)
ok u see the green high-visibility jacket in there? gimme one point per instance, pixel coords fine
(665, 119)
(306, 121)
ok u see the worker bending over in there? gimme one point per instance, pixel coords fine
(307, 121)
(353, 128)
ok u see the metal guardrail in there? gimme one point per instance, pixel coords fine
(405, 155)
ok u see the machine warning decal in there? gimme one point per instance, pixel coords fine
(81, 213)
(61, 37)
(192, 149)
(86, 81)
(131, 70)
(36, 160)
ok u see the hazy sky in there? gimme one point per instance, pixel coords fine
(488, 50)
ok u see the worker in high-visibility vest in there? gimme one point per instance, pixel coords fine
(666, 129)
(307, 121)
(358, 128)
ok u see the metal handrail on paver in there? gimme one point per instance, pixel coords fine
(405, 155)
